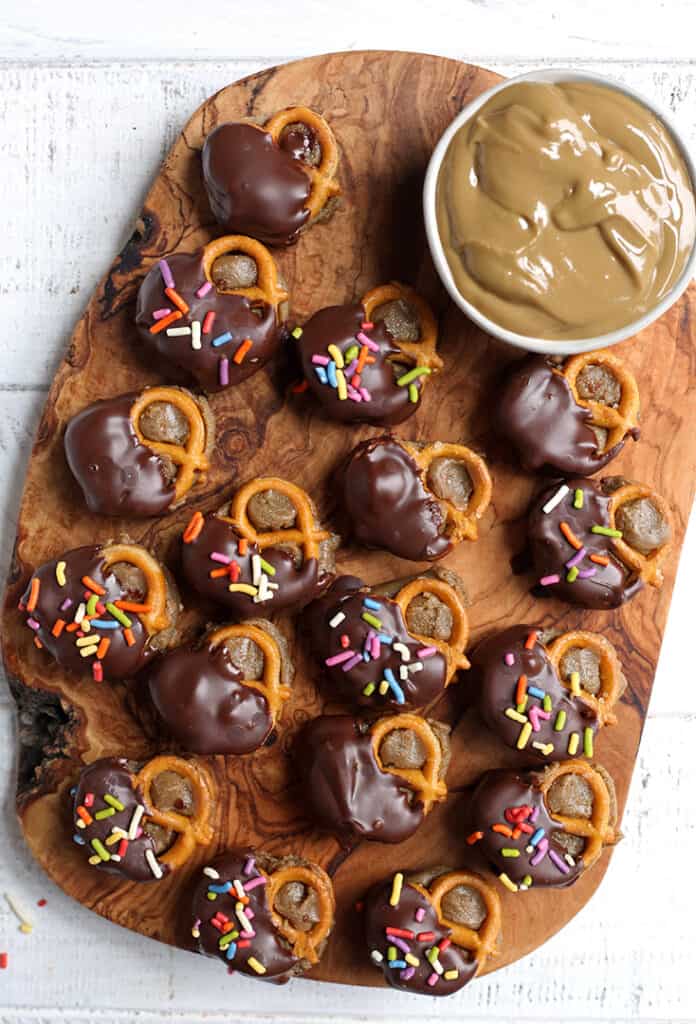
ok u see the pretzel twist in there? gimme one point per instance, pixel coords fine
(190, 457)
(647, 567)
(460, 524)
(426, 780)
(424, 351)
(304, 945)
(610, 673)
(270, 686)
(305, 534)
(267, 289)
(191, 831)
(598, 830)
(156, 618)
(480, 942)
(323, 176)
(453, 649)
(616, 421)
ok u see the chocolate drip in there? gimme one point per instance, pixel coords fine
(233, 315)
(254, 186)
(118, 475)
(388, 505)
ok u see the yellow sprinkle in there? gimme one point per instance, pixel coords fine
(383, 687)
(243, 588)
(573, 744)
(412, 960)
(397, 885)
(341, 385)
(516, 716)
(85, 627)
(87, 652)
(60, 574)
(523, 738)
(337, 356)
(575, 683)
(94, 860)
(256, 966)
(589, 743)
(86, 641)
(451, 975)
(26, 928)
(508, 882)
(545, 748)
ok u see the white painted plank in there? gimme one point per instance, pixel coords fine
(628, 954)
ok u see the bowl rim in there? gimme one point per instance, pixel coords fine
(549, 346)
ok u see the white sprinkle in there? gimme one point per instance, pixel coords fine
(152, 863)
(256, 569)
(135, 821)
(336, 621)
(529, 849)
(403, 671)
(239, 888)
(120, 833)
(178, 332)
(195, 334)
(437, 967)
(242, 918)
(556, 499)
(522, 887)
(377, 956)
(403, 651)
(416, 666)
(211, 872)
(80, 823)
(570, 860)
(115, 856)
(272, 586)
(80, 613)
(263, 593)
(18, 911)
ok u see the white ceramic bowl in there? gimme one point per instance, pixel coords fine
(550, 346)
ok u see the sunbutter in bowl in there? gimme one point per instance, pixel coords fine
(559, 209)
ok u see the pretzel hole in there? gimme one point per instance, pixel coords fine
(271, 510)
(570, 796)
(301, 143)
(642, 525)
(597, 383)
(298, 904)
(169, 791)
(449, 480)
(464, 905)
(428, 616)
(402, 748)
(131, 579)
(400, 319)
(247, 656)
(163, 421)
(234, 270)
(586, 663)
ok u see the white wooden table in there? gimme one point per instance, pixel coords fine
(91, 98)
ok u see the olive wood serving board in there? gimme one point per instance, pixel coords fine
(387, 110)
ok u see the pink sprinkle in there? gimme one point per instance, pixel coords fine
(33, 624)
(559, 862)
(66, 604)
(407, 973)
(208, 321)
(509, 658)
(372, 345)
(249, 913)
(336, 659)
(166, 274)
(203, 290)
(368, 641)
(351, 368)
(247, 935)
(543, 714)
(420, 914)
(546, 581)
(426, 652)
(249, 863)
(534, 815)
(577, 557)
(354, 395)
(585, 574)
(224, 371)
(321, 360)
(367, 397)
(217, 556)
(352, 663)
(159, 314)
(432, 980)
(375, 647)
(252, 883)
(533, 715)
(367, 325)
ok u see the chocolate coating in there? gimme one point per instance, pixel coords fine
(611, 585)
(111, 775)
(499, 792)
(233, 315)
(498, 683)
(254, 186)
(120, 660)
(388, 505)
(266, 945)
(296, 586)
(339, 325)
(201, 697)
(380, 915)
(348, 793)
(347, 596)
(118, 475)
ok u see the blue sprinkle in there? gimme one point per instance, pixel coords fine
(221, 339)
(398, 692)
(220, 889)
(105, 624)
(536, 692)
(369, 602)
(383, 639)
(79, 840)
(366, 656)
(397, 963)
(321, 374)
(331, 371)
(538, 835)
(231, 951)
(73, 791)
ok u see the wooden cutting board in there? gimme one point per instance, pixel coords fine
(387, 110)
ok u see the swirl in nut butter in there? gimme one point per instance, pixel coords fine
(565, 211)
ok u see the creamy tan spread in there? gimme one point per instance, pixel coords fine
(565, 210)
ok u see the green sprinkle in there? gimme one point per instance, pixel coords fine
(588, 743)
(527, 880)
(118, 615)
(372, 619)
(560, 721)
(369, 690)
(432, 954)
(350, 353)
(92, 604)
(211, 896)
(100, 849)
(391, 953)
(579, 498)
(113, 802)
(108, 812)
(510, 851)
(572, 574)
(547, 703)
(413, 393)
(414, 374)
(606, 531)
(296, 332)
(267, 567)
(522, 706)
(228, 937)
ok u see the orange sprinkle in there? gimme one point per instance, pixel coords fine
(516, 832)
(521, 689)
(172, 294)
(103, 647)
(194, 527)
(242, 545)
(599, 559)
(503, 830)
(530, 641)
(215, 574)
(570, 536)
(130, 639)
(166, 321)
(72, 627)
(58, 627)
(364, 352)
(299, 388)
(241, 352)
(33, 594)
(89, 582)
(37, 643)
(83, 813)
(208, 321)
(474, 838)
(132, 606)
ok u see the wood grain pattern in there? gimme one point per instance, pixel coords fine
(387, 111)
